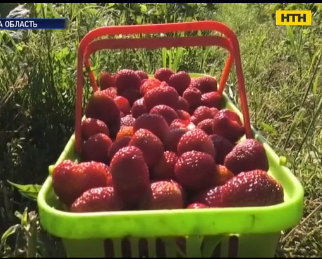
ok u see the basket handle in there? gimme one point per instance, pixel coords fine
(90, 44)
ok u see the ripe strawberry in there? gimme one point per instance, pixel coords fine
(227, 124)
(166, 112)
(127, 120)
(205, 84)
(161, 95)
(138, 108)
(172, 138)
(123, 104)
(110, 92)
(193, 97)
(126, 131)
(183, 104)
(117, 145)
(97, 200)
(222, 146)
(250, 189)
(142, 74)
(152, 122)
(211, 99)
(96, 148)
(197, 206)
(201, 113)
(106, 80)
(183, 115)
(206, 126)
(97, 106)
(211, 198)
(196, 139)
(194, 169)
(162, 195)
(131, 95)
(149, 84)
(180, 81)
(178, 123)
(246, 156)
(150, 145)
(126, 79)
(70, 180)
(90, 127)
(130, 174)
(163, 74)
(222, 175)
(164, 170)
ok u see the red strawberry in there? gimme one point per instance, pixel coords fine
(183, 115)
(222, 175)
(201, 113)
(172, 138)
(161, 95)
(97, 106)
(197, 206)
(180, 81)
(131, 95)
(183, 104)
(106, 80)
(111, 92)
(178, 123)
(162, 195)
(227, 124)
(194, 169)
(152, 122)
(127, 120)
(150, 145)
(196, 139)
(123, 104)
(96, 148)
(222, 146)
(71, 180)
(166, 112)
(250, 189)
(193, 97)
(149, 84)
(117, 145)
(205, 84)
(211, 198)
(206, 126)
(90, 127)
(127, 79)
(138, 108)
(211, 99)
(97, 200)
(246, 156)
(163, 74)
(142, 74)
(130, 174)
(164, 170)
(125, 131)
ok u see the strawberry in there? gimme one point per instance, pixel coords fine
(130, 174)
(106, 80)
(180, 81)
(123, 104)
(163, 74)
(162, 195)
(70, 180)
(96, 148)
(96, 200)
(90, 127)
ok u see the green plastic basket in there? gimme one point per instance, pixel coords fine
(224, 232)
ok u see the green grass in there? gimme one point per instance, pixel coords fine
(37, 98)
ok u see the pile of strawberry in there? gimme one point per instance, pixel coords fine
(163, 143)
